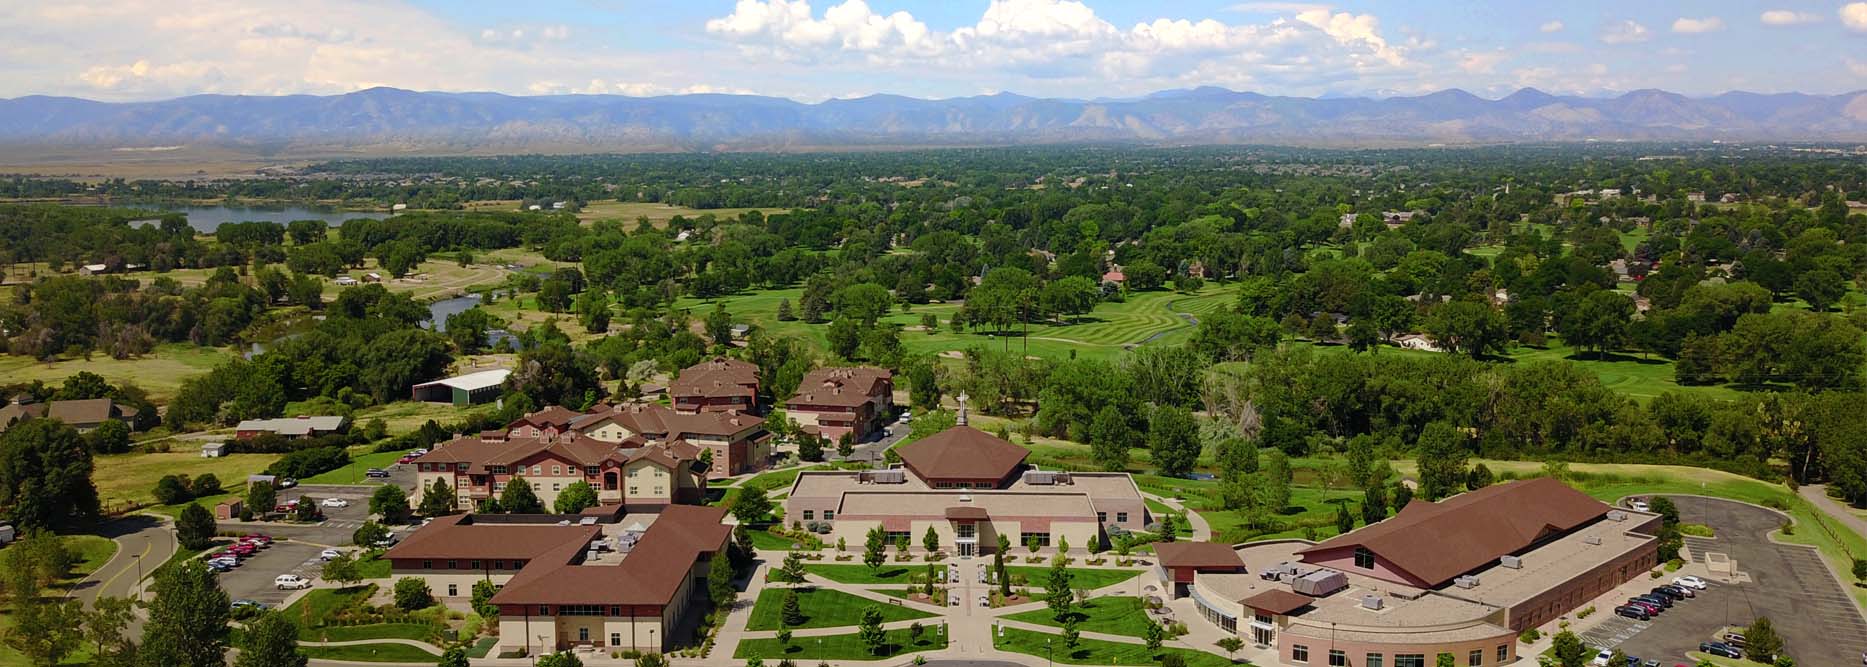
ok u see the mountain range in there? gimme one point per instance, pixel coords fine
(403, 119)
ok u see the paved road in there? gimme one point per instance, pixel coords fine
(143, 542)
(252, 580)
(872, 449)
(1790, 584)
(1817, 495)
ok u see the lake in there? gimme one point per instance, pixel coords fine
(206, 219)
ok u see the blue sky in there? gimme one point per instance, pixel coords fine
(147, 49)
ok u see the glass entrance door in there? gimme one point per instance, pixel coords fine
(965, 549)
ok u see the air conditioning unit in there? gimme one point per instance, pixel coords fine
(1617, 515)
(1511, 562)
(1593, 540)
(1467, 581)
(1373, 602)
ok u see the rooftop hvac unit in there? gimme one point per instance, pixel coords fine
(1617, 515)
(1511, 562)
(1592, 540)
(1319, 583)
(890, 476)
(1373, 602)
(1466, 581)
(1040, 477)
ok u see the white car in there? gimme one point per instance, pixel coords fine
(1601, 659)
(329, 554)
(335, 502)
(228, 562)
(1638, 505)
(287, 582)
(1690, 581)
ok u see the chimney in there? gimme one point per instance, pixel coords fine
(962, 408)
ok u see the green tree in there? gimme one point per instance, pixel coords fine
(931, 540)
(110, 437)
(45, 476)
(1761, 643)
(261, 497)
(1173, 440)
(575, 498)
(518, 498)
(483, 592)
(411, 593)
(1479, 477)
(343, 569)
(792, 571)
(1277, 478)
(1820, 288)
(1111, 438)
(1153, 634)
(1230, 645)
(751, 506)
(1228, 336)
(105, 628)
(1058, 595)
(1344, 521)
(719, 324)
(307, 509)
(1072, 631)
(998, 566)
(874, 550)
(195, 528)
(1374, 503)
(187, 625)
(369, 534)
(809, 447)
(560, 659)
(45, 631)
(1467, 327)
(791, 613)
(1442, 457)
(455, 656)
(270, 641)
(1446, 660)
(1569, 650)
(437, 500)
(390, 502)
(171, 490)
(593, 311)
(871, 631)
(720, 586)
(1597, 322)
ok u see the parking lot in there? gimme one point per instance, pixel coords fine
(253, 578)
(1789, 584)
(339, 522)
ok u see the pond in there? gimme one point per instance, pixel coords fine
(206, 219)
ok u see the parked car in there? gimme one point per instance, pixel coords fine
(1633, 612)
(1680, 591)
(905, 418)
(1660, 600)
(386, 542)
(985, 601)
(1735, 639)
(218, 567)
(1602, 658)
(1638, 505)
(1720, 649)
(406, 459)
(1651, 609)
(329, 554)
(1691, 582)
(285, 483)
(244, 603)
(262, 539)
(982, 575)
(376, 473)
(1650, 663)
(242, 549)
(335, 502)
(953, 599)
(287, 582)
(1673, 592)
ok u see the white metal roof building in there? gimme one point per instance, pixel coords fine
(462, 390)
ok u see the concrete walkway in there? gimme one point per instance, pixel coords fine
(1202, 531)
(425, 646)
(1817, 495)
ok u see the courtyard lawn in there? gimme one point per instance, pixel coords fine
(406, 416)
(361, 460)
(126, 478)
(383, 652)
(91, 552)
(840, 647)
(160, 372)
(888, 573)
(1114, 615)
(1098, 652)
(1081, 578)
(823, 608)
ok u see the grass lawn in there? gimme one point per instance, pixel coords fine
(840, 647)
(361, 460)
(1098, 652)
(888, 573)
(370, 653)
(372, 566)
(160, 372)
(823, 608)
(132, 477)
(92, 552)
(406, 416)
(763, 539)
(1081, 578)
(1115, 615)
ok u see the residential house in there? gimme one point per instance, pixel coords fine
(720, 384)
(292, 427)
(833, 402)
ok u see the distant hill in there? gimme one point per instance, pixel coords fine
(387, 117)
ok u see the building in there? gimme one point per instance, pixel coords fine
(720, 384)
(213, 450)
(1180, 562)
(833, 402)
(970, 488)
(1462, 577)
(292, 427)
(738, 442)
(84, 415)
(462, 390)
(607, 581)
(93, 269)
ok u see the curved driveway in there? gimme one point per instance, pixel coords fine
(143, 543)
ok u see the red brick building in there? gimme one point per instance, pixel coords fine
(720, 384)
(832, 402)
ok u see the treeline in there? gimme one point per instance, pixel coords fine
(72, 315)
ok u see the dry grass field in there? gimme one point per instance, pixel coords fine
(628, 212)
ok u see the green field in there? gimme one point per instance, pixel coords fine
(1114, 615)
(1097, 652)
(1081, 578)
(160, 372)
(384, 652)
(361, 460)
(861, 574)
(839, 647)
(823, 608)
(132, 477)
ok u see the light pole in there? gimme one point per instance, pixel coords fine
(1048, 659)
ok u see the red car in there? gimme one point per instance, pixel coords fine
(406, 460)
(243, 549)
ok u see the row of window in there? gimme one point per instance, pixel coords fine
(560, 470)
(828, 515)
(475, 565)
(1339, 658)
(1043, 539)
(1103, 517)
(963, 485)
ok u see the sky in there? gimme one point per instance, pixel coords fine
(815, 50)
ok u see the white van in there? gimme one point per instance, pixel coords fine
(287, 582)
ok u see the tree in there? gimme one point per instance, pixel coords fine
(437, 500)
(784, 637)
(1761, 643)
(791, 613)
(1169, 528)
(411, 593)
(1403, 495)
(1058, 595)
(171, 490)
(1344, 521)
(751, 506)
(784, 311)
(306, 510)
(1374, 503)
(1598, 322)
(998, 566)
(554, 373)
(1441, 459)
(846, 445)
(593, 311)
(270, 641)
(45, 476)
(793, 570)
(369, 534)
(195, 528)
(390, 502)
(1228, 336)
(809, 447)
(518, 498)
(1321, 329)
(1173, 440)
(1569, 650)
(455, 656)
(1860, 569)
(110, 437)
(104, 628)
(1479, 477)
(931, 540)
(1230, 645)
(871, 631)
(1110, 438)
(343, 569)
(575, 497)
(1446, 660)
(720, 582)
(1277, 478)
(1821, 288)
(874, 549)
(1072, 631)
(261, 497)
(1153, 634)
(560, 659)
(1467, 327)
(45, 631)
(187, 625)
(483, 592)
(1668, 511)
(719, 325)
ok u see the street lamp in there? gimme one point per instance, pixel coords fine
(1048, 659)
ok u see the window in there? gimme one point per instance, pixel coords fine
(544, 610)
(829, 515)
(1476, 658)
(583, 634)
(1043, 539)
(1338, 658)
(1503, 653)
(1299, 653)
(497, 470)
(459, 466)
(966, 531)
(537, 469)
(1410, 660)
(634, 489)
(615, 610)
(453, 565)
(615, 639)
(590, 470)
(453, 590)
(557, 469)
(1373, 660)
(1102, 517)
(580, 610)
(1364, 558)
(427, 565)
(538, 486)
(475, 564)
(809, 515)
(499, 565)
(1121, 517)
(661, 490)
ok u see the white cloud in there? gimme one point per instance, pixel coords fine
(1854, 16)
(1625, 32)
(1276, 7)
(1483, 62)
(1694, 25)
(1856, 67)
(1551, 26)
(1787, 17)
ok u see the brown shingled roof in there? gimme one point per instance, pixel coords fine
(555, 415)
(962, 452)
(87, 411)
(719, 376)
(651, 574)
(841, 387)
(1436, 542)
(459, 537)
(1277, 601)
(1198, 555)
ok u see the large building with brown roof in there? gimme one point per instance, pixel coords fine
(610, 582)
(720, 384)
(83, 415)
(970, 488)
(1462, 576)
(833, 402)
